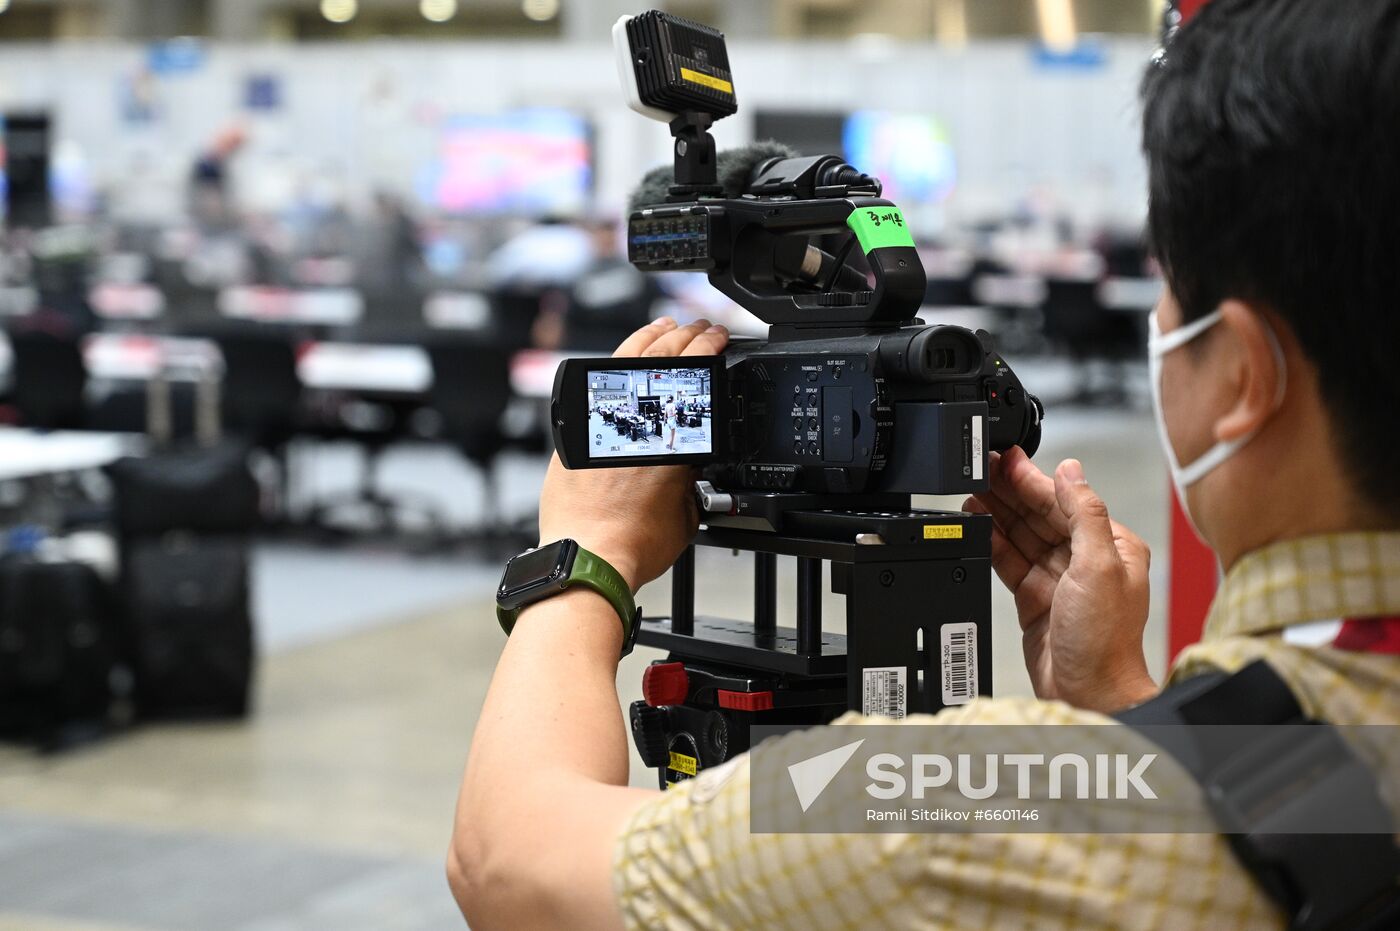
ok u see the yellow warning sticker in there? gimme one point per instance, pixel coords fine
(706, 80)
(943, 531)
(683, 764)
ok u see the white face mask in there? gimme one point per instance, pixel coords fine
(1158, 345)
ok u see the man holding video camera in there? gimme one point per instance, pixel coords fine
(1272, 132)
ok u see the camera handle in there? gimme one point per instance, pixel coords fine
(761, 229)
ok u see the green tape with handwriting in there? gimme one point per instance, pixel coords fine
(880, 228)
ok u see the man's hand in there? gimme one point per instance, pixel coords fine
(639, 520)
(1080, 581)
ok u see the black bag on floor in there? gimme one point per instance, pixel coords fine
(202, 490)
(57, 649)
(189, 627)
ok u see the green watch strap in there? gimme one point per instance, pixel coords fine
(592, 571)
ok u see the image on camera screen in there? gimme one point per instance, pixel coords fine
(649, 412)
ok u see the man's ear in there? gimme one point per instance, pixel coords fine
(1259, 369)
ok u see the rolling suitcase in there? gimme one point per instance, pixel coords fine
(57, 649)
(189, 626)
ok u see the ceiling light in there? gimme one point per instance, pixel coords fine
(1057, 29)
(438, 11)
(339, 11)
(541, 11)
(950, 23)
(4, 5)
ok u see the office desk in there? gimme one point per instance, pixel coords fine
(407, 370)
(122, 302)
(378, 368)
(27, 454)
(368, 367)
(1131, 295)
(1022, 291)
(326, 307)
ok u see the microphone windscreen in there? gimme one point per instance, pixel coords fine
(733, 168)
(652, 190)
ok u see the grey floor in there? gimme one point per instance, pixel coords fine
(331, 806)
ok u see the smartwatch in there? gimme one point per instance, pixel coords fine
(541, 573)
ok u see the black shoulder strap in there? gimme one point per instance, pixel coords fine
(1262, 791)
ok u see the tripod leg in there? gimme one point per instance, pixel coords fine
(765, 593)
(809, 605)
(683, 593)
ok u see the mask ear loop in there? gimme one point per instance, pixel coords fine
(1159, 343)
(1191, 474)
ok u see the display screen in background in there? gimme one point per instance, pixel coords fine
(912, 153)
(536, 162)
(649, 412)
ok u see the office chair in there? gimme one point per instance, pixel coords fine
(513, 314)
(470, 393)
(260, 396)
(606, 305)
(1077, 322)
(186, 303)
(49, 378)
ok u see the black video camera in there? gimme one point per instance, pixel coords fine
(811, 442)
(851, 393)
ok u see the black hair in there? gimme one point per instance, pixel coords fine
(1272, 135)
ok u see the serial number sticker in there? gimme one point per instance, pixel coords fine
(883, 691)
(943, 531)
(958, 662)
(977, 450)
(706, 80)
(683, 764)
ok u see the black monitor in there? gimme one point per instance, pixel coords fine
(26, 166)
(810, 132)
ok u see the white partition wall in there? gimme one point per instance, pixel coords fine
(351, 118)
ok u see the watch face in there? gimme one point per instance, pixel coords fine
(532, 570)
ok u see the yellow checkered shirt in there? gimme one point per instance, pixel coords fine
(688, 860)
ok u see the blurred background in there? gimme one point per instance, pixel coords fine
(283, 286)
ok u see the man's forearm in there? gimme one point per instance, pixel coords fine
(554, 692)
(548, 761)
